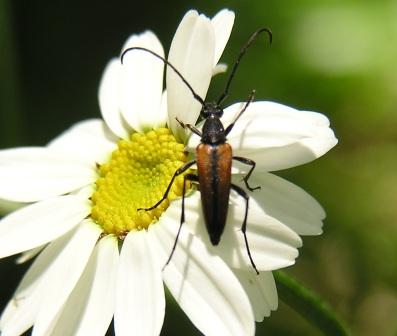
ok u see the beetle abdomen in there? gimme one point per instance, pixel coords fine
(214, 163)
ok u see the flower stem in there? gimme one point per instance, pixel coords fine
(309, 305)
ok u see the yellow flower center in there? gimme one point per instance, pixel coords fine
(137, 176)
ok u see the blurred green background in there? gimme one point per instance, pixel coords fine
(336, 57)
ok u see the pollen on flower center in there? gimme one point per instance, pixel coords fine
(137, 176)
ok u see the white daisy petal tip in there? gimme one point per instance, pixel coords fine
(108, 96)
(223, 23)
(287, 202)
(89, 140)
(141, 81)
(28, 255)
(33, 225)
(192, 13)
(277, 136)
(7, 206)
(30, 174)
(225, 14)
(261, 290)
(193, 44)
(147, 39)
(219, 69)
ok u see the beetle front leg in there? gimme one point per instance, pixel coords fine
(179, 171)
(192, 128)
(247, 176)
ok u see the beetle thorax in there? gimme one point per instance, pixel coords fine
(213, 131)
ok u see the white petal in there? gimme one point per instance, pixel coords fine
(88, 140)
(261, 290)
(267, 286)
(272, 244)
(277, 136)
(89, 309)
(162, 117)
(205, 288)
(140, 300)
(62, 277)
(223, 23)
(9, 206)
(219, 68)
(29, 174)
(108, 97)
(39, 223)
(288, 203)
(22, 308)
(141, 82)
(85, 192)
(30, 254)
(56, 269)
(7, 314)
(192, 53)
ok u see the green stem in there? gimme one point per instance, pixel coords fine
(309, 305)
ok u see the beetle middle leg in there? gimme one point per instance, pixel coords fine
(247, 176)
(243, 194)
(178, 172)
(191, 178)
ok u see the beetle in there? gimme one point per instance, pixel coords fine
(213, 159)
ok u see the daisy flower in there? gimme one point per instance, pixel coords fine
(97, 258)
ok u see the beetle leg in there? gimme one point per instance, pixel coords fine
(192, 178)
(192, 128)
(179, 171)
(246, 177)
(242, 193)
(249, 101)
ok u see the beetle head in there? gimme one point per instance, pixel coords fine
(211, 109)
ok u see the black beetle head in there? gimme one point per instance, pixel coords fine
(211, 109)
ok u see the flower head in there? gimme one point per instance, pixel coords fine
(99, 256)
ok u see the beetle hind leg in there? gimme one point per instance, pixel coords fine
(191, 178)
(243, 194)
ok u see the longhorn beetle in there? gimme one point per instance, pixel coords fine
(213, 158)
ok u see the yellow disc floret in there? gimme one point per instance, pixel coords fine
(137, 176)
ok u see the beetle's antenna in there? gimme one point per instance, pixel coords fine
(195, 95)
(240, 56)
